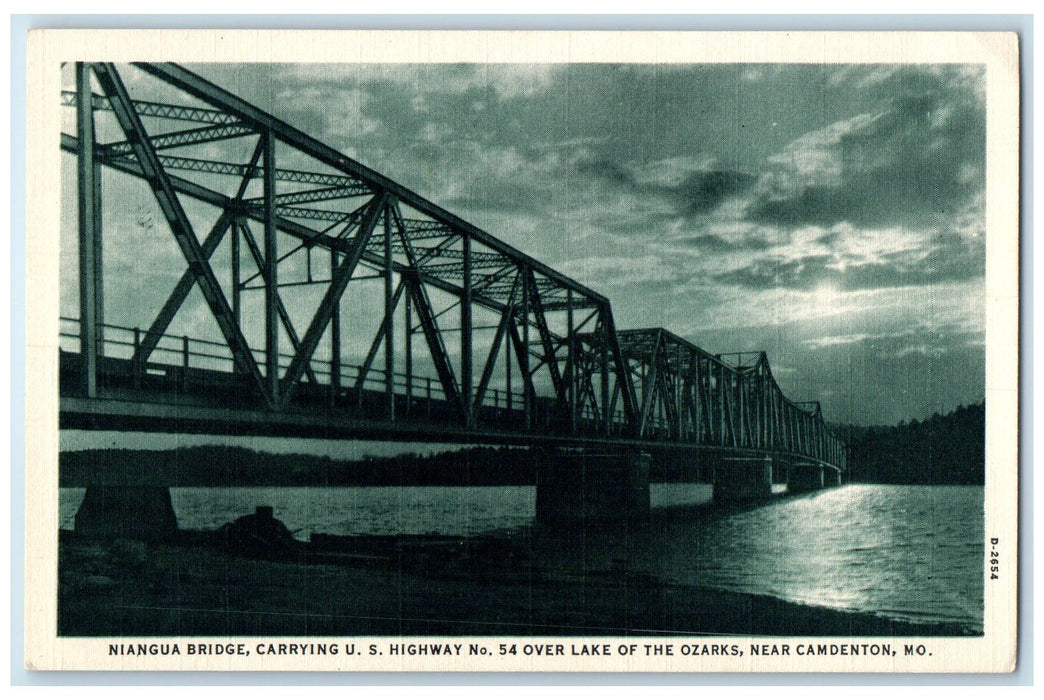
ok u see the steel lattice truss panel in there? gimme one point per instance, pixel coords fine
(284, 201)
(311, 264)
(731, 400)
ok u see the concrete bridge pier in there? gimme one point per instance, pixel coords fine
(591, 487)
(806, 476)
(743, 478)
(142, 513)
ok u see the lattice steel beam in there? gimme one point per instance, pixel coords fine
(494, 350)
(177, 139)
(212, 94)
(305, 196)
(179, 223)
(162, 110)
(219, 167)
(293, 228)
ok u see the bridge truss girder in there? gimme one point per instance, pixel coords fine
(370, 227)
(686, 394)
(511, 344)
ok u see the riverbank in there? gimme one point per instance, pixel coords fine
(126, 589)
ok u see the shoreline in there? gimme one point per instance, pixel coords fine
(124, 588)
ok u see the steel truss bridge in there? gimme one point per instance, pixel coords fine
(342, 304)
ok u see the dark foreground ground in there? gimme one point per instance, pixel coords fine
(127, 589)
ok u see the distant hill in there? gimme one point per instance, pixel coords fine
(948, 449)
(218, 465)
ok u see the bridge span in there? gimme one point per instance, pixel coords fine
(338, 303)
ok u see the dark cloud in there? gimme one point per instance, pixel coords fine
(703, 191)
(690, 191)
(896, 273)
(915, 160)
(607, 170)
(713, 243)
(518, 198)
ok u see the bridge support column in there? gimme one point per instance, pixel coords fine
(743, 478)
(804, 476)
(127, 512)
(592, 487)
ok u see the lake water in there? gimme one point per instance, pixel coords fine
(907, 552)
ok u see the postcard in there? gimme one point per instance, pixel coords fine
(522, 351)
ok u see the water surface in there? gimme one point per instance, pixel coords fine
(908, 552)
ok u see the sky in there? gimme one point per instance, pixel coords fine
(833, 216)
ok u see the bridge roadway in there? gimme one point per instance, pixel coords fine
(251, 203)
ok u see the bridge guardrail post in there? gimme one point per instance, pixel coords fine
(184, 361)
(360, 387)
(136, 369)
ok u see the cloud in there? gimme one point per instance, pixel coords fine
(853, 259)
(688, 185)
(915, 159)
(620, 270)
(504, 82)
(716, 243)
(922, 339)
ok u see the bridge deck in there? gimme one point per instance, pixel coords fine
(176, 399)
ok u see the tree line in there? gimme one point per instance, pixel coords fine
(947, 449)
(944, 449)
(220, 465)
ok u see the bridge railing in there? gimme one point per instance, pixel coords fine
(184, 352)
(176, 357)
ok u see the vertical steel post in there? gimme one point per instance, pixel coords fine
(742, 386)
(136, 366)
(99, 260)
(408, 341)
(335, 337)
(678, 394)
(523, 357)
(90, 232)
(770, 414)
(389, 311)
(271, 269)
(507, 370)
(607, 413)
(466, 378)
(184, 362)
(720, 403)
(571, 390)
(237, 309)
(697, 395)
